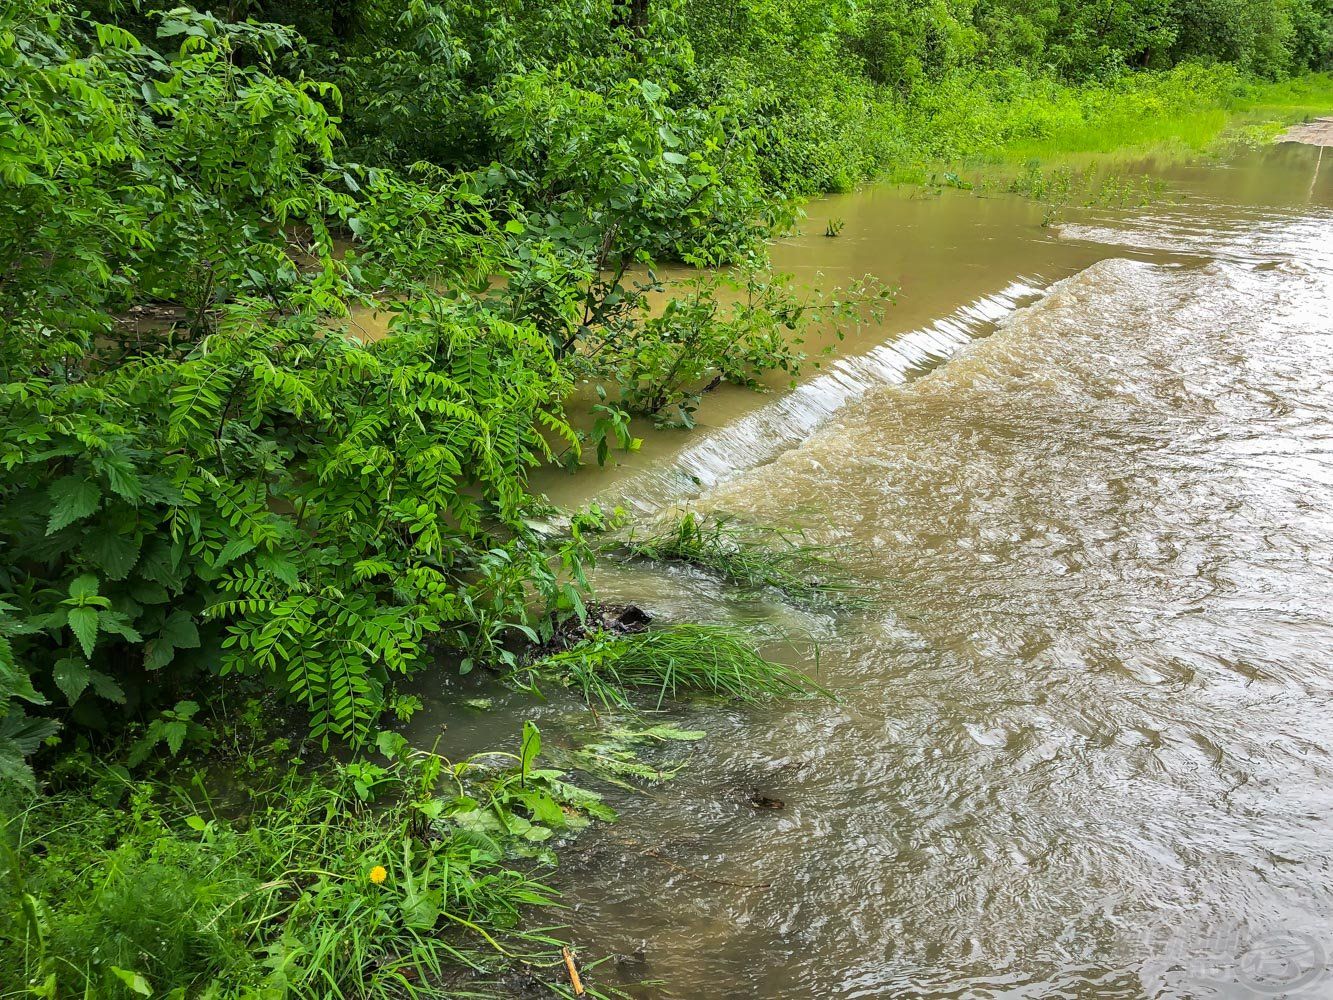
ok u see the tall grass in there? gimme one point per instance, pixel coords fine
(119, 886)
(1008, 116)
(668, 662)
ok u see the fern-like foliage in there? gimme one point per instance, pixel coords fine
(235, 486)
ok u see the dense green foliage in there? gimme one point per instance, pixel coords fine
(201, 475)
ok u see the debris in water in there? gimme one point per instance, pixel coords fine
(611, 619)
(761, 801)
(573, 971)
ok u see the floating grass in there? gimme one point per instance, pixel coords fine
(757, 557)
(671, 661)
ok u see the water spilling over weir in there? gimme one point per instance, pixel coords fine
(789, 419)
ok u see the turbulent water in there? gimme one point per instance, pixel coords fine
(1081, 747)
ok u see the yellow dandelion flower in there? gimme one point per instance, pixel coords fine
(378, 874)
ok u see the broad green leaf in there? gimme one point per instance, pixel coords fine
(234, 549)
(27, 733)
(15, 683)
(544, 809)
(180, 631)
(83, 623)
(72, 676)
(119, 624)
(114, 553)
(134, 981)
(284, 569)
(72, 499)
(14, 769)
(421, 910)
(83, 586)
(106, 687)
(150, 593)
(157, 653)
(175, 733)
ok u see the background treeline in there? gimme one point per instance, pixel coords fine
(200, 475)
(829, 91)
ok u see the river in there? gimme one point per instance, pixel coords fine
(1080, 747)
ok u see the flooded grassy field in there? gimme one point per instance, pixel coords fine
(1079, 743)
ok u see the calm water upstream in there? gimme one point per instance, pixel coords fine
(1082, 748)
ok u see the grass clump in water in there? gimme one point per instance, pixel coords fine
(671, 661)
(754, 557)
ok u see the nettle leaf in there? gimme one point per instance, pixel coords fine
(281, 567)
(121, 475)
(72, 499)
(234, 549)
(178, 632)
(14, 770)
(119, 624)
(20, 738)
(159, 564)
(174, 733)
(106, 687)
(83, 586)
(83, 623)
(72, 676)
(26, 734)
(114, 553)
(15, 682)
(150, 593)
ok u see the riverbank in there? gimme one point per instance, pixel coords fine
(165, 841)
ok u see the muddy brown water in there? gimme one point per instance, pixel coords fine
(1081, 746)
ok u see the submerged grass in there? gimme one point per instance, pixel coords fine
(757, 557)
(670, 661)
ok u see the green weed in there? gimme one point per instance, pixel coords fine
(323, 885)
(752, 556)
(666, 663)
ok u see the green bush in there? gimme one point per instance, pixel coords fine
(231, 485)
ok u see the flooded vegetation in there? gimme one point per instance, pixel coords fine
(473, 525)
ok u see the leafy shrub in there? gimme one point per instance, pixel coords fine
(239, 487)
